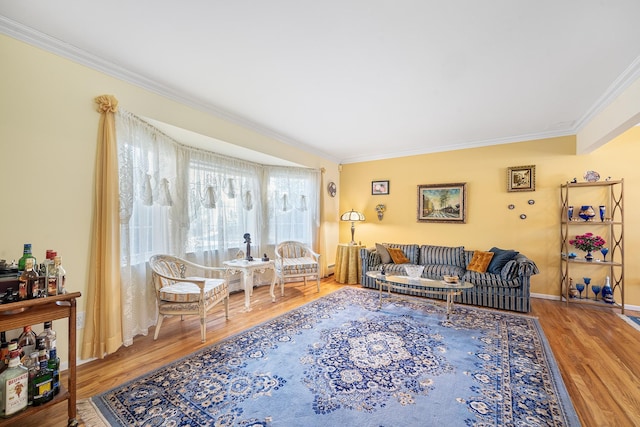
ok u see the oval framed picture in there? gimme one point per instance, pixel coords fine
(332, 188)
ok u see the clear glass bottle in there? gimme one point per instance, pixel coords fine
(49, 335)
(27, 341)
(14, 387)
(51, 278)
(33, 366)
(61, 275)
(26, 254)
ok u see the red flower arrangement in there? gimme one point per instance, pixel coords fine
(587, 242)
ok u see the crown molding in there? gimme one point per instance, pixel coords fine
(463, 146)
(50, 44)
(619, 85)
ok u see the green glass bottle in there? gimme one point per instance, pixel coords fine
(42, 382)
(26, 254)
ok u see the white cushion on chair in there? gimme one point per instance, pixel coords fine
(302, 265)
(188, 291)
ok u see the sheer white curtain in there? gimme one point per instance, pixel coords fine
(293, 205)
(198, 205)
(225, 203)
(149, 214)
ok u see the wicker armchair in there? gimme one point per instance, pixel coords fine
(296, 261)
(182, 288)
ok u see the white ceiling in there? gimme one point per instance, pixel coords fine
(356, 80)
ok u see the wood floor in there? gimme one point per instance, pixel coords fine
(597, 353)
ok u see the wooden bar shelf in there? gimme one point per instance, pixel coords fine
(30, 312)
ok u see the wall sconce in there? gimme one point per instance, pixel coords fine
(380, 210)
(352, 216)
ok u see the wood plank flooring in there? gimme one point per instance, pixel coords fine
(597, 352)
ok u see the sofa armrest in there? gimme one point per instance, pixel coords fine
(519, 267)
(370, 259)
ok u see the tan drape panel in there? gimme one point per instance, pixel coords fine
(103, 326)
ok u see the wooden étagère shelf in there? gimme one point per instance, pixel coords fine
(609, 194)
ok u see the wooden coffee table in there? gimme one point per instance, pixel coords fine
(421, 285)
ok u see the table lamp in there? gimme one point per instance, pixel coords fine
(352, 216)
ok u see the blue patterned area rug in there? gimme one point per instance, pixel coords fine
(632, 320)
(341, 361)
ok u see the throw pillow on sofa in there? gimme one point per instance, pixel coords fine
(397, 255)
(500, 258)
(385, 257)
(480, 261)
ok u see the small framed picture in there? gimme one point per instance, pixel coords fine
(442, 203)
(521, 178)
(379, 187)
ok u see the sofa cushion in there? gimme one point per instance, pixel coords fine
(446, 255)
(437, 271)
(500, 258)
(480, 261)
(385, 258)
(397, 255)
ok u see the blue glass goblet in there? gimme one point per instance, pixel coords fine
(604, 252)
(580, 288)
(587, 280)
(596, 290)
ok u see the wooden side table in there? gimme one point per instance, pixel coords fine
(348, 266)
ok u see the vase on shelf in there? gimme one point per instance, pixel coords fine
(603, 210)
(586, 212)
(570, 213)
(588, 257)
(607, 292)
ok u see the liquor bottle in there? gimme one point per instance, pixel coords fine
(4, 351)
(4, 356)
(42, 382)
(27, 341)
(61, 275)
(49, 273)
(26, 254)
(54, 364)
(28, 282)
(14, 387)
(32, 366)
(49, 335)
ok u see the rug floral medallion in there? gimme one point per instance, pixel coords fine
(342, 361)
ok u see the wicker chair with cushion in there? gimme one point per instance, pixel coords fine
(296, 261)
(183, 287)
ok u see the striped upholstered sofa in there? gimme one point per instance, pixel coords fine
(508, 287)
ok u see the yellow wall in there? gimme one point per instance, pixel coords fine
(489, 221)
(48, 131)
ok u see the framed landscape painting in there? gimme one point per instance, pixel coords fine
(442, 203)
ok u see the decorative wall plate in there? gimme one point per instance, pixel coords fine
(331, 188)
(591, 176)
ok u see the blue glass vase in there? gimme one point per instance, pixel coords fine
(603, 210)
(586, 212)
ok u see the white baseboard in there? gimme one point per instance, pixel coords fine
(557, 298)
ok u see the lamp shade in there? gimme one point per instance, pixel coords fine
(352, 216)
